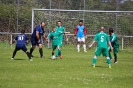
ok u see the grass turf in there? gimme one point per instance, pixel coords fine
(73, 71)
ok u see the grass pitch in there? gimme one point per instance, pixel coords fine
(73, 71)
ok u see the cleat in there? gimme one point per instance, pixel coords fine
(42, 57)
(31, 59)
(109, 66)
(94, 66)
(61, 57)
(53, 57)
(12, 58)
(116, 62)
(85, 51)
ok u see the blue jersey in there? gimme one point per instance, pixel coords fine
(38, 29)
(21, 39)
(81, 31)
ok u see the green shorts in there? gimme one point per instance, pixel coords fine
(115, 50)
(100, 50)
(60, 43)
(54, 47)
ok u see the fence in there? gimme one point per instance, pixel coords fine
(16, 15)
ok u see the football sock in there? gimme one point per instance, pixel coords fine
(28, 54)
(84, 46)
(108, 60)
(115, 57)
(52, 53)
(41, 52)
(14, 53)
(110, 56)
(94, 60)
(31, 50)
(78, 47)
(57, 53)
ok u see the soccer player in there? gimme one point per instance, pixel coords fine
(80, 33)
(60, 28)
(115, 44)
(21, 39)
(102, 40)
(54, 36)
(36, 38)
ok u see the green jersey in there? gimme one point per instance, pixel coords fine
(114, 40)
(102, 39)
(54, 36)
(61, 30)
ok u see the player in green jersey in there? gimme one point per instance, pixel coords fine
(114, 43)
(60, 28)
(102, 40)
(54, 36)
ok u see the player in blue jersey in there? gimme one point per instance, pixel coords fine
(36, 38)
(80, 33)
(21, 39)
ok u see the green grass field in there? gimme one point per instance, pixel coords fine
(73, 71)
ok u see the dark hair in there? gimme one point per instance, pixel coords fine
(81, 21)
(23, 31)
(59, 21)
(111, 30)
(42, 22)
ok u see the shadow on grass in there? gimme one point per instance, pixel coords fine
(19, 59)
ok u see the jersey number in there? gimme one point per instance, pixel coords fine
(102, 38)
(20, 38)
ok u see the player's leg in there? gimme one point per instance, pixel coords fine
(58, 52)
(115, 54)
(105, 51)
(84, 45)
(78, 44)
(97, 53)
(40, 50)
(53, 49)
(33, 42)
(94, 61)
(109, 50)
(26, 51)
(14, 52)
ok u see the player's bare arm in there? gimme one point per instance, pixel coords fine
(93, 42)
(37, 36)
(12, 42)
(45, 37)
(109, 43)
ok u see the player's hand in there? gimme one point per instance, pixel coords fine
(46, 40)
(10, 43)
(111, 48)
(67, 39)
(86, 37)
(75, 37)
(90, 46)
(39, 41)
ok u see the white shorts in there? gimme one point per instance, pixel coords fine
(81, 39)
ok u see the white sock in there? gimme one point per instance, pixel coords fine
(78, 47)
(84, 46)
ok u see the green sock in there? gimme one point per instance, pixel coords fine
(110, 56)
(94, 60)
(57, 53)
(108, 60)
